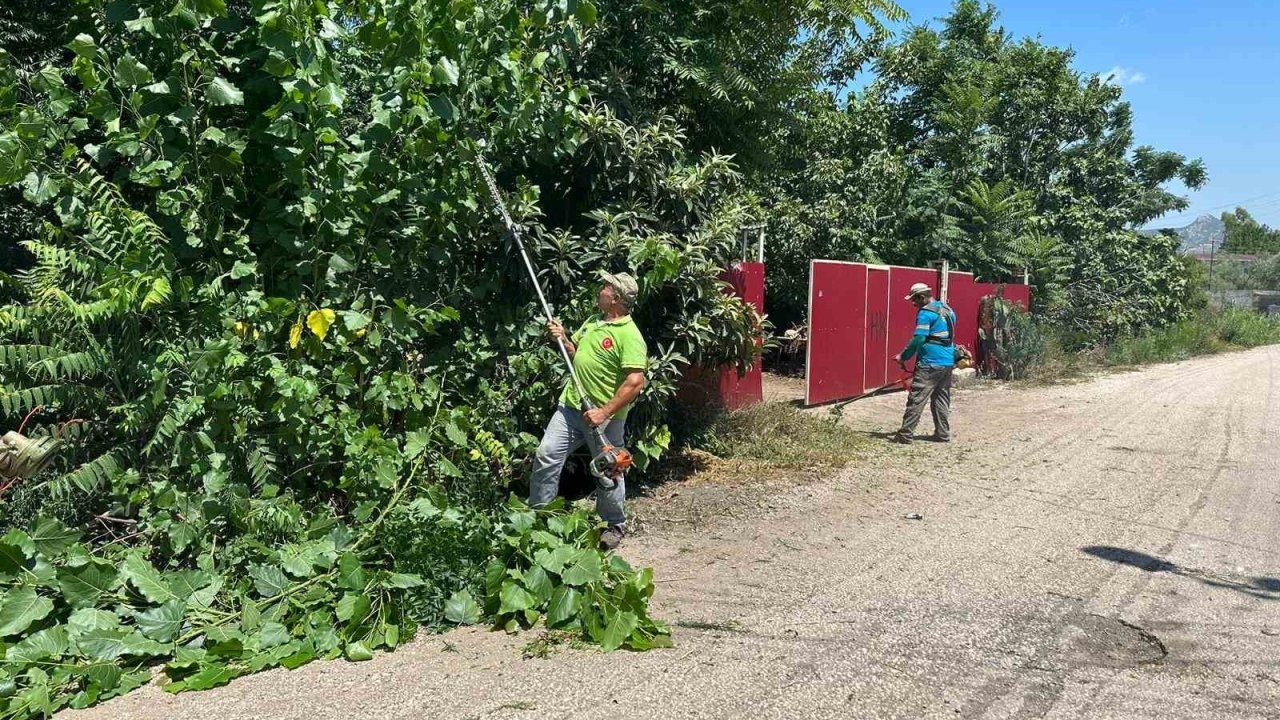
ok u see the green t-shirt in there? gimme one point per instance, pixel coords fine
(608, 350)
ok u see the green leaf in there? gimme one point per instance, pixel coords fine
(84, 46)
(299, 658)
(587, 12)
(443, 107)
(82, 586)
(350, 573)
(187, 583)
(250, 617)
(332, 96)
(52, 537)
(146, 579)
(106, 675)
(456, 435)
(225, 642)
(415, 443)
(138, 645)
(522, 521)
(86, 619)
(273, 634)
(48, 643)
(583, 569)
(404, 581)
(299, 560)
(215, 8)
(445, 71)
(353, 608)
(538, 583)
(20, 608)
(358, 652)
(210, 677)
(216, 135)
(461, 608)
(563, 607)
(222, 92)
(21, 540)
(131, 73)
(40, 189)
(102, 643)
(163, 623)
(353, 320)
(554, 560)
(618, 630)
(268, 580)
(13, 559)
(339, 265)
(515, 598)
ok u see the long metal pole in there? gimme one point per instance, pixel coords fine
(1212, 246)
(533, 274)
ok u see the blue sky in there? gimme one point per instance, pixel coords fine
(1203, 79)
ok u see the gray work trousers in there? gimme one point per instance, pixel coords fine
(566, 432)
(929, 384)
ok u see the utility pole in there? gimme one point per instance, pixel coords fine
(1213, 244)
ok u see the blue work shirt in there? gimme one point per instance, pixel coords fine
(938, 350)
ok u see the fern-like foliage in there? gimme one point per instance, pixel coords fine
(75, 348)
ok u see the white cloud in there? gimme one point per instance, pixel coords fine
(1123, 76)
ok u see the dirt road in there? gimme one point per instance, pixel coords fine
(1102, 550)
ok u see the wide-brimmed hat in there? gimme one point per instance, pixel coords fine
(918, 289)
(623, 284)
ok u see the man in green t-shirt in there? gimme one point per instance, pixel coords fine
(609, 356)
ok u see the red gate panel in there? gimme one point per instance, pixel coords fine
(874, 375)
(902, 314)
(1018, 294)
(963, 297)
(736, 391)
(837, 329)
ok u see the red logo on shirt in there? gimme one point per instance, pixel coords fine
(607, 343)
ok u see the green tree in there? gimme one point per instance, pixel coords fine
(31, 32)
(1246, 235)
(1012, 141)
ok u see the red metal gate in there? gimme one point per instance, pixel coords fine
(837, 307)
(875, 373)
(859, 318)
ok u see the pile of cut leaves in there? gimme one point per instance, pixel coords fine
(80, 626)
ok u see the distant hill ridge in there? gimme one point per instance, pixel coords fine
(1200, 234)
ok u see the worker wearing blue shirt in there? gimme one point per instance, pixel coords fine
(933, 347)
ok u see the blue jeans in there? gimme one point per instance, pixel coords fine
(566, 432)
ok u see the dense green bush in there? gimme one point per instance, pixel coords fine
(308, 365)
(1047, 353)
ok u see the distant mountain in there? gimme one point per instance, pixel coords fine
(1200, 234)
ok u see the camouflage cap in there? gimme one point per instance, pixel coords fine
(623, 284)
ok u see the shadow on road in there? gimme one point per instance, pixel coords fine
(1267, 588)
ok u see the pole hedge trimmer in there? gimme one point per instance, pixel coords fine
(608, 463)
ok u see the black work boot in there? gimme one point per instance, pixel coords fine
(901, 438)
(611, 538)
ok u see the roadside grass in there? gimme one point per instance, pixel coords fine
(1232, 329)
(764, 441)
(1225, 331)
(780, 435)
